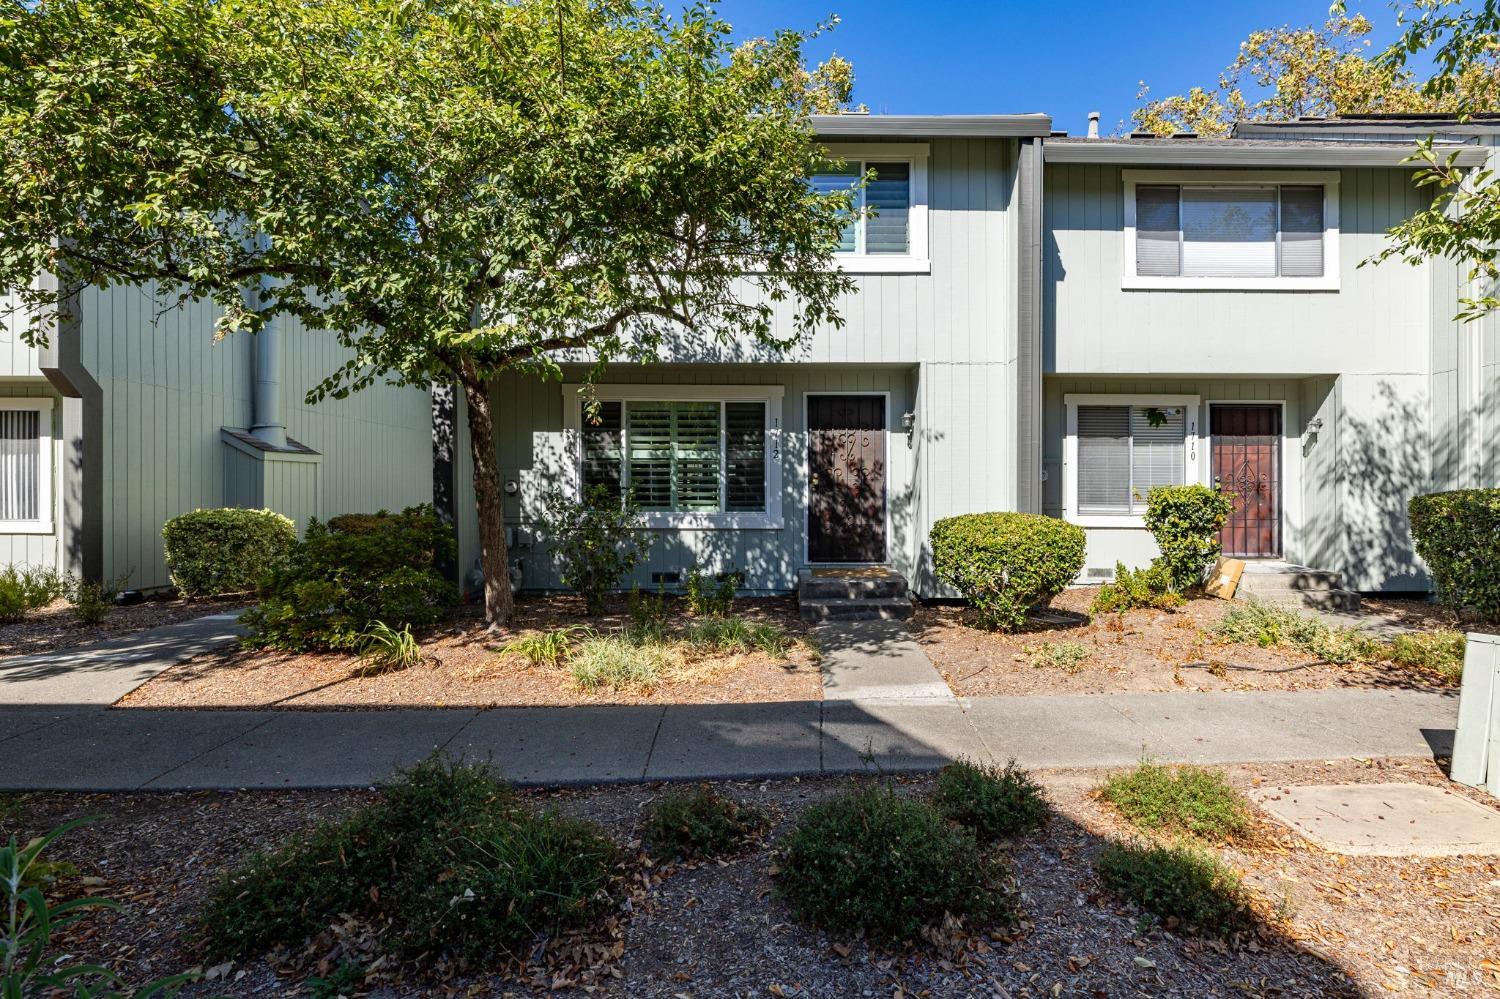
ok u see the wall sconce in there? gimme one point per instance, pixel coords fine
(908, 424)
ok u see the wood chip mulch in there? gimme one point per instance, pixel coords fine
(461, 668)
(1145, 650)
(1330, 926)
(53, 627)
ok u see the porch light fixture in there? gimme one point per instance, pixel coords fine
(908, 424)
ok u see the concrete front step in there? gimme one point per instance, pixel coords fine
(862, 609)
(1276, 577)
(851, 588)
(1327, 599)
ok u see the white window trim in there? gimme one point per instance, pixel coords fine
(771, 395)
(916, 260)
(43, 407)
(1328, 179)
(1193, 439)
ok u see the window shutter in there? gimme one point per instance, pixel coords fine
(1157, 232)
(889, 193)
(831, 179)
(649, 438)
(601, 450)
(745, 458)
(1229, 232)
(1157, 455)
(20, 464)
(695, 456)
(1302, 232)
(1104, 459)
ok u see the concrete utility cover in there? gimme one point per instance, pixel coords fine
(1386, 820)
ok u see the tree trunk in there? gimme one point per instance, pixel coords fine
(487, 496)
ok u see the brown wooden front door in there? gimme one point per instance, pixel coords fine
(1247, 464)
(846, 478)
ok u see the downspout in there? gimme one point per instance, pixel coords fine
(265, 405)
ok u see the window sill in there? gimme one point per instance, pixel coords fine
(25, 527)
(1136, 283)
(663, 520)
(879, 264)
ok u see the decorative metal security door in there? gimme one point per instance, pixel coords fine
(846, 478)
(1247, 464)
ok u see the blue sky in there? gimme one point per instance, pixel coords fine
(948, 57)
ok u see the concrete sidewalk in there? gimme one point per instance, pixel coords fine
(66, 746)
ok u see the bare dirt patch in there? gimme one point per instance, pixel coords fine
(1142, 650)
(462, 668)
(1332, 925)
(53, 627)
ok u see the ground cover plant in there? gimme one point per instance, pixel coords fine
(1181, 800)
(1005, 564)
(226, 550)
(1179, 884)
(1438, 652)
(993, 802)
(1268, 624)
(700, 823)
(448, 864)
(877, 862)
(1066, 656)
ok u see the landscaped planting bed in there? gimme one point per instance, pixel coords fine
(1320, 924)
(463, 665)
(1066, 650)
(55, 627)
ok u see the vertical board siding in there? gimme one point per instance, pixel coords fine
(17, 358)
(168, 387)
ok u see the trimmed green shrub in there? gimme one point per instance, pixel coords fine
(994, 802)
(876, 862)
(1131, 589)
(447, 864)
(1186, 800)
(1178, 882)
(337, 584)
(698, 823)
(595, 543)
(1006, 563)
(227, 550)
(1458, 535)
(25, 590)
(1185, 521)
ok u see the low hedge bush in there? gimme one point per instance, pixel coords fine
(1006, 563)
(25, 590)
(698, 822)
(1183, 884)
(1135, 588)
(1185, 522)
(994, 802)
(447, 864)
(339, 582)
(1458, 535)
(227, 550)
(876, 862)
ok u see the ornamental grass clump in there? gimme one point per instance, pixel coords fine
(1005, 564)
(993, 802)
(875, 862)
(1186, 800)
(699, 823)
(617, 664)
(447, 865)
(1184, 886)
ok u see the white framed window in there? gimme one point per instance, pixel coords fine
(1118, 448)
(893, 238)
(25, 466)
(690, 456)
(1231, 229)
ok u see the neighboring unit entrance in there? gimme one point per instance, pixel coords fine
(846, 478)
(1247, 463)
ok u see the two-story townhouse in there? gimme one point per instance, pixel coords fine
(1040, 323)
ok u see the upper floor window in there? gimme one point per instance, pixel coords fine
(26, 466)
(891, 234)
(1227, 229)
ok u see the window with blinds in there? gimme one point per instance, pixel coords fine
(1255, 231)
(1126, 451)
(20, 465)
(886, 228)
(681, 457)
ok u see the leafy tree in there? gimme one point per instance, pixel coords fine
(1313, 70)
(1462, 223)
(451, 188)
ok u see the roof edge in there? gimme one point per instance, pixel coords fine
(932, 126)
(1267, 154)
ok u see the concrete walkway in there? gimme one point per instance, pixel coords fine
(882, 711)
